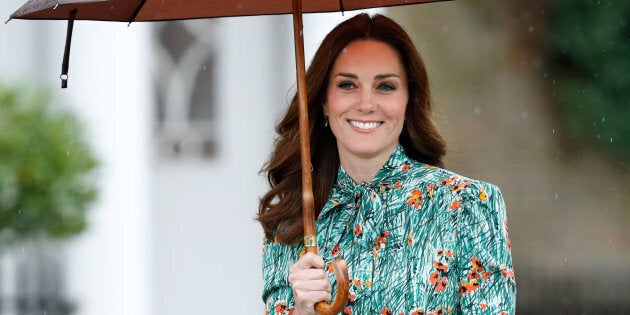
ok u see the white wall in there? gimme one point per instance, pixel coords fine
(207, 252)
(110, 84)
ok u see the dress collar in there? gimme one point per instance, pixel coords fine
(345, 188)
(392, 168)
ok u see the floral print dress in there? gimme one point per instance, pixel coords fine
(417, 240)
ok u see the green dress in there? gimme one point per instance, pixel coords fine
(417, 240)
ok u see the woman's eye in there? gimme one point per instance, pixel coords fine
(386, 87)
(346, 85)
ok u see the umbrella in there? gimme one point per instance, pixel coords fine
(162, 10)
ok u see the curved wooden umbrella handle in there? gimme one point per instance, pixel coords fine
(343, 286)
(340, 270)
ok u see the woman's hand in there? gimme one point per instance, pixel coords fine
(309, 283)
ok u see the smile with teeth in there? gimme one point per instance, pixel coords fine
(365, 125)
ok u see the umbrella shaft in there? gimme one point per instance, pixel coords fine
(308, 206)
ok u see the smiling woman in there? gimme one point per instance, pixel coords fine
(416, 238)
(366, 100)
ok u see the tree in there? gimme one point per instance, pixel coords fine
(46, 168)
(589, 58)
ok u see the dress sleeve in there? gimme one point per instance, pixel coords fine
(277, 295)
(487, 284)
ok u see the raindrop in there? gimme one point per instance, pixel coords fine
(204, 67)
(477, 110)
(22, 248)
(556, 196)
(603, 119)
(56, 6)
(68, 153)
(531, 29)
(611, 140)
(599, 136)
(553, 131)
(20, 212)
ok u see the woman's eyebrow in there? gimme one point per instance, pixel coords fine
(385, 76)
(347, 75)
(377, 77)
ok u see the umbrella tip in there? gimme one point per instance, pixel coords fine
(7, 21)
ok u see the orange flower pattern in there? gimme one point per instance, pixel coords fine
(417, 239)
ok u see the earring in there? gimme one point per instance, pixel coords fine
(325, 121)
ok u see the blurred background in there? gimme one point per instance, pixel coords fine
(135, 190)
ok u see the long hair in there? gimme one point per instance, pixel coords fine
(280, 210)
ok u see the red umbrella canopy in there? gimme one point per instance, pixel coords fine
(159, 10)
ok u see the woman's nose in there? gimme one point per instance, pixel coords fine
(366, 102)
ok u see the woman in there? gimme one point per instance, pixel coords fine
(417, 239)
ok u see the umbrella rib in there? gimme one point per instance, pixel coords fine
(65, 65)
(136, 12)
(341, 7)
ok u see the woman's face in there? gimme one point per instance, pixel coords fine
(366, 99)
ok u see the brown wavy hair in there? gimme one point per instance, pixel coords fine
(280, 210)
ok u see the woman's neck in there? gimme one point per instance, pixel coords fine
(363, 169)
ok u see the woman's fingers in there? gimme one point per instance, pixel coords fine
(308, 267)
(309, 283)
(306, 274)
(307, 298)
(321, 285)
(309, 260)
(307, 293)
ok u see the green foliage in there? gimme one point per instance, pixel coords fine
(45, 167)
(589, 57)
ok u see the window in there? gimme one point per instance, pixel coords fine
(33, 280)
(184, 89)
